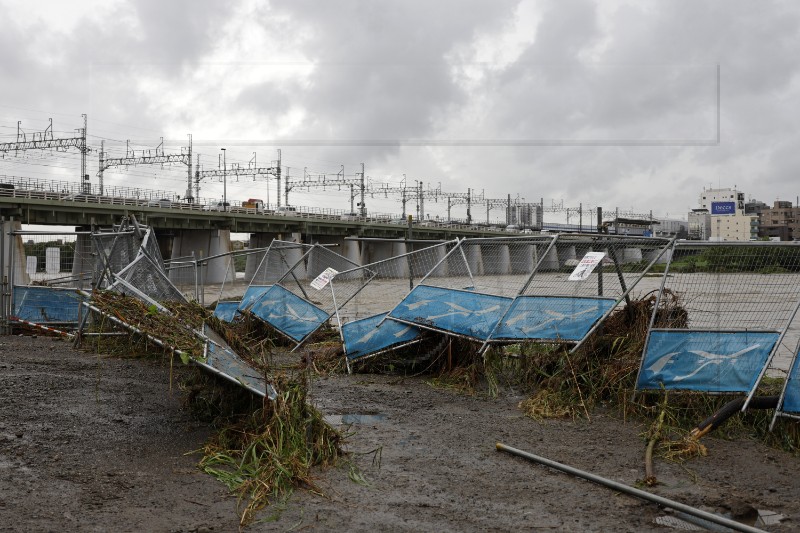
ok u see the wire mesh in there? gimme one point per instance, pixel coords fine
(147, 278)
(55, 260)
(577, 282)
(146, 275)
(472, 287)
(365, 295)
(300, 301)
(270, 266)
(623, 263)
(725, 311)
(113, 251)
(753, 286)
(183, 273)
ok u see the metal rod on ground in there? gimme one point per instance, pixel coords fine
(40, 326)
(711, 517)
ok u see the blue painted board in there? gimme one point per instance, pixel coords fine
(364, 337)
(461, 312)
(288, 313)
(552, 317)
(705, 360)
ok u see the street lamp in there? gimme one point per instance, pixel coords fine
(224, 182)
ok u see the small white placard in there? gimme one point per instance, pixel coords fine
(30, 265)
(586, 266)
(52, 257)
(324, 278)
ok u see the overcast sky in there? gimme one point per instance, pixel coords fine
(636, 105)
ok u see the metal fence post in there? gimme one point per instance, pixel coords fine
(202, 280)
(3, 279)
(11, 246)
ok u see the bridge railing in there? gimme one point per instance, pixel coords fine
(66, 191)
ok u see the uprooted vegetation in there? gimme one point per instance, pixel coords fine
(263, 449)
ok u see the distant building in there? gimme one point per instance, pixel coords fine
(729, 222)
(699, 225)
(754, 208)
(782, 221)
(522, 215)
(671, 228)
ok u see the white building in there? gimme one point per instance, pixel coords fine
(699, 224)
(728, 221)
(671, 227)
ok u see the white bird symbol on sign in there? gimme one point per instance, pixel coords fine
(463, 311)
(710, 359)
(557, 317)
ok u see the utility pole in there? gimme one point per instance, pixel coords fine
(147, 157)
(252, 170)
(87, 187)
(224, 181)
(362, 206)
(45, 140)
(421, 202)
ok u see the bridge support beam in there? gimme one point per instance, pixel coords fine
(206, 243)
(257, 240)
(13, 255)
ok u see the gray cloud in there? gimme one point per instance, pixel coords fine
(413, 70)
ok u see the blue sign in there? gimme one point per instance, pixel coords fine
(288, 313)
(364, 337)
(723, 208)
(461, 312)
(226, 311)
(709, 361)
(252, 294)
(552, 318)
(46, 305)
(791, 399)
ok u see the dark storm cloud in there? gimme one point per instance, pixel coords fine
(394, 70)
(382, 69)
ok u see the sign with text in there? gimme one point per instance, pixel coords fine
(324, 278)
(723, 208)
(586, 266)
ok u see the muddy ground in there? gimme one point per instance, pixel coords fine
(90, 443)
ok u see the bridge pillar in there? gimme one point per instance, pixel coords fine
(474, 258)
(550, 260)
(442, 270)
(257, 240)
(374, 251)
(351, 250)
(318, 263)
(631, 255)
(13, 246)
(496, 259)
(83, 262)
(568, 252)
(664, 259)
(206, 243)
(522, 258)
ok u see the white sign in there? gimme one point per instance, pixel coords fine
(324, 278)
(30, 265)
(52, 257)
(586, 266)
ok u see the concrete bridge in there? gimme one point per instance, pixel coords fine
(204, 229)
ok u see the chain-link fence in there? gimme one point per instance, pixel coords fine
(723, 312)
(45, 270)
(364, 296)
(300, 302)
(470, 289)
(578, 280)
